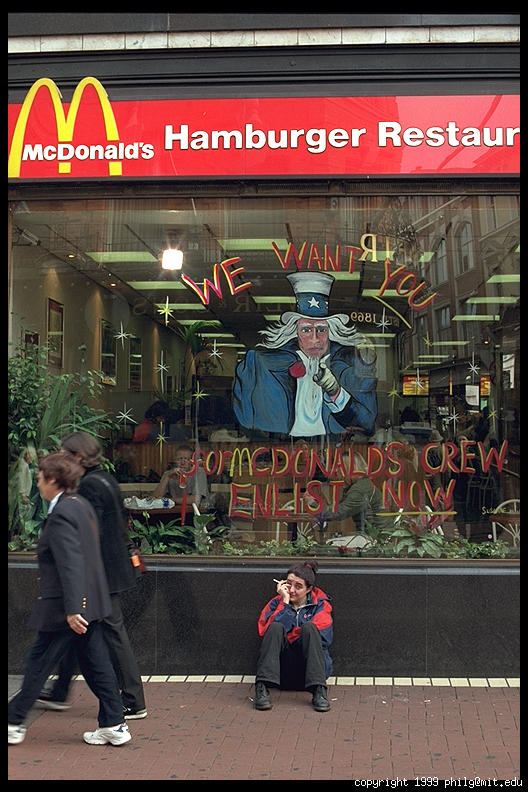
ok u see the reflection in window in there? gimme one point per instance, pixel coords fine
(394, 263)
(134, 364)
(443, 318)
(464, 242)
(440, 263)
(108, 353)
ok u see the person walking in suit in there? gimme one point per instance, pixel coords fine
(73, 599)
(102, 490)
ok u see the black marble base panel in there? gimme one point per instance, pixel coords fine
(194, 616)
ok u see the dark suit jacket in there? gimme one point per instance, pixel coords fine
(102, 490)
(72, 577)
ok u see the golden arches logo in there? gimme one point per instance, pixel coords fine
(65, 123)
(238, 455)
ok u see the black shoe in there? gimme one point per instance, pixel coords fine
(262, 696)
(319, 700)
(133, 714)
(47, 701)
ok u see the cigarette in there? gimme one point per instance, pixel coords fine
(276, 581)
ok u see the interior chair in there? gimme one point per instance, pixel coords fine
(512, 506)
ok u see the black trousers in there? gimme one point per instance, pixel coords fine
(297, 667)
(95, 665)
(125, 665)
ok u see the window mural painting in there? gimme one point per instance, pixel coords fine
(313, 375)
(337, 364)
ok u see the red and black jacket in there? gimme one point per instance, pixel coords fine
(318, 610)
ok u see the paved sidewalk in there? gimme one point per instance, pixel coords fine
(210, 731)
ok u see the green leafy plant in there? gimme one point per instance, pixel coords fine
(299, 546)
(462, 548)
(172, 537)
(43, 406)
(203, 541)
(195, 344)
(158, 536)
(422, 544)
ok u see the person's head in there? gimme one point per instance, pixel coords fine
(313, 337)
(58, 473)
(157, 412)
(84, 447)
(176, 416)
(301, 580)
(29, 454)
(183, 455)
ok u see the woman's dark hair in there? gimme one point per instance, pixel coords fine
(159, 409)
(63, 468)
(306, 570)
(86, 445)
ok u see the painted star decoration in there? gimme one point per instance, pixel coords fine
(472, 368)
(427, 340)
(313, 303)
(454, 418)
(125, 415)
(394, 392)
(166, 311)
(418, 382)
(161, 368)
(122, 336)
(160, 439)
(383, 323)
(216, 352)
(199, 393)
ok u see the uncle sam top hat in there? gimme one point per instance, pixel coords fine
(312, 294)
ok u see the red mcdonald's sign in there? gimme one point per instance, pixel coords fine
(318, 136)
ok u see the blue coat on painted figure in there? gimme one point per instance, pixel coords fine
(265, 391)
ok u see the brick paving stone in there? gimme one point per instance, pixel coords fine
(211, 731)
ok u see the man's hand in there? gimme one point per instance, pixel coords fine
(77, 623)
(326, 380)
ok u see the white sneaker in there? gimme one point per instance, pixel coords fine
(15, 734)
(116, 735)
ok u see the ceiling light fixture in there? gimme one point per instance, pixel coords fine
(172, 259)
(475, 318)
(252, 244)
(120, 256)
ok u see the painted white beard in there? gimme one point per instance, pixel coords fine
(308, 401)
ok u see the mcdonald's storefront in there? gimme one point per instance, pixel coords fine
(406, 201)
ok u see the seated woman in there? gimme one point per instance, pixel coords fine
(296, 628)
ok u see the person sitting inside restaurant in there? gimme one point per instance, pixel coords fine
(361, 500)
(150, 427)
(179, 483)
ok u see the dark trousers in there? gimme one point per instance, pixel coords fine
(297, 667)
(125, 666)
(95, 665)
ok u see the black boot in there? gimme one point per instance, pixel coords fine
(319, 700)
(262, 696)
